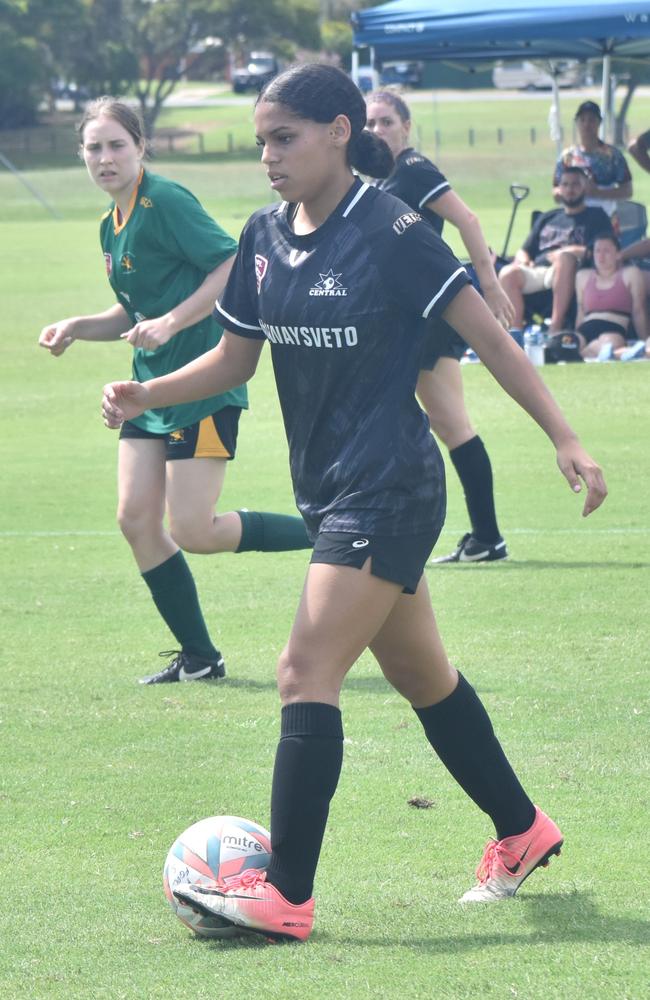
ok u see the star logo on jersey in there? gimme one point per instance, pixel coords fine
(261, 267)
(127, 263)
(329, 285)
(108, 261)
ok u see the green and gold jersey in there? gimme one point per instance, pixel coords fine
(156, 257)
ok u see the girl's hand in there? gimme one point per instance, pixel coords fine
(123, 401)
(150, 334)
(500, 305)
(57, 337)
(575, 464)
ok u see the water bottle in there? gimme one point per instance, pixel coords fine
(534, 344)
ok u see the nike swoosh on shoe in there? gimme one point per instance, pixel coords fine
(515, 868)
(193, 675)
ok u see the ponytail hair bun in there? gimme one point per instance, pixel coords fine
(370, 155)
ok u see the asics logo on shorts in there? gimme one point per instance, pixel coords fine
(360, 543)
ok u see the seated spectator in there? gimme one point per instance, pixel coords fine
(610, 297)
(550, 256)
(609, 178)
(638, 148)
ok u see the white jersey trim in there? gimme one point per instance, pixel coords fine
(237, 322)
(427, 197)
(442, 290)
(360, 193)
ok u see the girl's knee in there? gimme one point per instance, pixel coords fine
(289, 677)
(192, 530)
(186, 534)
(132, 521)
(303, 677)
(203, 531)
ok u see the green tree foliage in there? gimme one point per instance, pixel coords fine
(337, 39)
(142, 46)
(99, 58)
(32, 32)
(145, 45)
(336, 27)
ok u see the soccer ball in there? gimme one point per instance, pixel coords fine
(213, 850)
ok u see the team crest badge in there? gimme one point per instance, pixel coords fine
(108, 261)
(261, 265)
(127, 263)
(146, 202)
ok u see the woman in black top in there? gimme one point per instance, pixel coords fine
(344, 284)
(419, 183)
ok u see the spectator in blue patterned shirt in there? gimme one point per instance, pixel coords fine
(609, 178)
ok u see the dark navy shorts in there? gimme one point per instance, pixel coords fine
(400, 558)
(213, 437)
(442, 342)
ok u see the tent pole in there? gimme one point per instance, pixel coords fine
(554, 114)
(606, 95)
(354, 69)
(375, 74)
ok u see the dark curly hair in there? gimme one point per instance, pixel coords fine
(319, 93)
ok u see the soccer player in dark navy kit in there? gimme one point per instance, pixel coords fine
(344, 282)
(418, 182)
(166, 261)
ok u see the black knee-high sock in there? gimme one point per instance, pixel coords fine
(174, 592)
(459, 730)
(472, 463)
(307, 768)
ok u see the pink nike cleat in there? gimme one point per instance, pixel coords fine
(249, 901)
(506, 863)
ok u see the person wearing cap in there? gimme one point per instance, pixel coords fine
(608, 176)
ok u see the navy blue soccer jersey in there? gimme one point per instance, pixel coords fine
(416, 180)
(346, 310)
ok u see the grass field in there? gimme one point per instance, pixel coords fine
(100, 775)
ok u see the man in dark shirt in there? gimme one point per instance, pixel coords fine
(556, 245)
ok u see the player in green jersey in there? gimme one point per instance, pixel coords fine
(167, 260)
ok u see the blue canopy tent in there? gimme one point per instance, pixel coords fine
(467, 31)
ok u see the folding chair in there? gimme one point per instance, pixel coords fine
(632, 222)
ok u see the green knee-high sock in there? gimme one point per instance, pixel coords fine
(174, 592)
(263, 532)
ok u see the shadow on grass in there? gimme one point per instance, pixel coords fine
(538, 564)
(376, 684)
(554, 918)
(249, 683)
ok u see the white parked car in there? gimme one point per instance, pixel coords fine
(534, 76)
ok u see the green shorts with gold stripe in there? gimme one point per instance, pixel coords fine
(213, 437)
